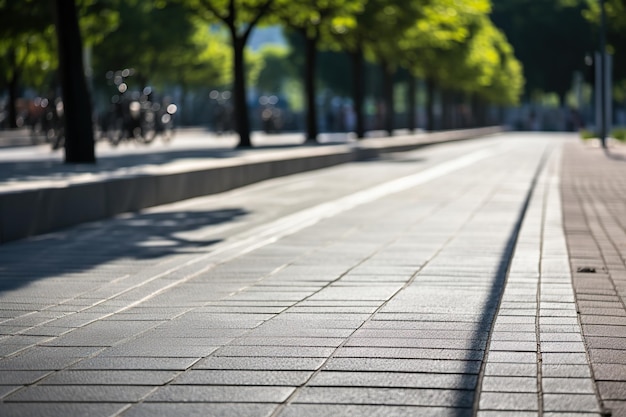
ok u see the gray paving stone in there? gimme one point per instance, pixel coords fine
(422, 333)
(416, 325)
(134, 363)
(385, 396)
(162, 350)
(402, 365)
(568, 386)
(334, 410)
(288, 341)
(563, 347)
(515, 327)
(102, 333)
(577, 358)
(80, 393)
(260, 363)
(104, 377)
(508, 401)
(8, 389)
(201, 410)
(560, 337)
(512, 346)
(417, 343)
(408, 353)
(21, 377)
(514, 336)
(565, 371)
(221, 394)
(512, 357)
(60, 409)
(509, 384)
(394, 380)
(571, 403)
(511, 369)
(234, 377)
(275, 351)
(502, 413)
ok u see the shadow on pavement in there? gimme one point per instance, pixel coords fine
(134, 237)
(30, 169)
(496, 291)
(615, 156)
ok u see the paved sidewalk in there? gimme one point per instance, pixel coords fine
(594, 208)
(444, 292)
(39, 194)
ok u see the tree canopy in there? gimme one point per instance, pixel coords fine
(199, 43)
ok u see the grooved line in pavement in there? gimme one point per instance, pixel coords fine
(480, 400)
(276, 230)
(267, 234)
(415, 179)
(543, 366)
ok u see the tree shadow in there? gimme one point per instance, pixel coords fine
(48, 169)
(614, 156)
(140, 236)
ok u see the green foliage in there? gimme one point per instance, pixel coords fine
(27, 42)
(148, 39)
(179, 42)
(276, 68)
(204, 61)
(550, 38)
(319, 18)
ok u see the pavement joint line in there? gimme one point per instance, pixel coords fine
(541, 166)
(347, 340)
(267, 234)
(551, 224)
(282, 229)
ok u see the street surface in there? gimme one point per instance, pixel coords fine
(435, 282)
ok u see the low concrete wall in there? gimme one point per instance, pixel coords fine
(30, 212)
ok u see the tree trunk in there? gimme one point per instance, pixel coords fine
(241, 106)
(430, 104)
(358, 93)
(411, 107)
(447, 107)
(309, 82)
(79, 141)
(388, 98)
(13, 85)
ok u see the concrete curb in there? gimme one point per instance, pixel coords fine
(28, 212)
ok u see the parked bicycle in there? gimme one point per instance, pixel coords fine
(134, 116)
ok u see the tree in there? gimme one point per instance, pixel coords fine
(239, 17)
(276, 68)
(550, 38)
(26, 48)
(392, 19)
(315, 21)
(79, 141)
(141, 41)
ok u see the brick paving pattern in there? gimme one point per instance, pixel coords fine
(447, 292)
(594, 209)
